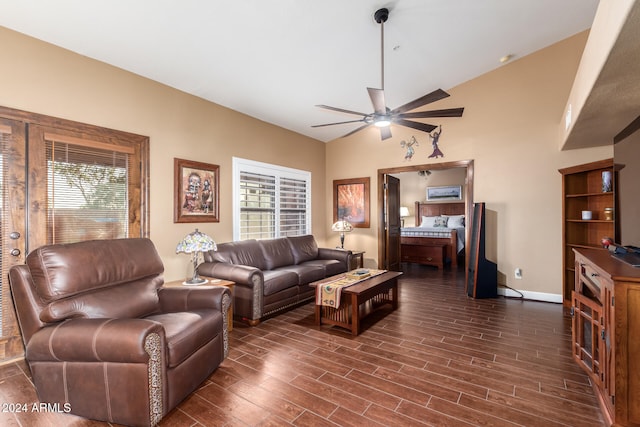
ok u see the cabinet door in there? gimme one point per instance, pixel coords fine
(587, 333)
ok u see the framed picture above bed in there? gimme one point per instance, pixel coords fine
(448, 192)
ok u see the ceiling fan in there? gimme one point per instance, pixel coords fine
(382, 116)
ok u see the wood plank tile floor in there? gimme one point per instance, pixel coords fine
(441, 359)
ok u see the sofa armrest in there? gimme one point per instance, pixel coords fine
(240, 274)
(94, 340)
(173, 299)
(341, 255)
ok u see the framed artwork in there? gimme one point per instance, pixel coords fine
(196, 191)
(448, 192)
(351, 201)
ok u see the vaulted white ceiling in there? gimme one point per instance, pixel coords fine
(276, 59)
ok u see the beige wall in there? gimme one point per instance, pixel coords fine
(510, 130)
(41, 78)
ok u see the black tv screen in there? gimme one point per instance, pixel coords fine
(626, 156)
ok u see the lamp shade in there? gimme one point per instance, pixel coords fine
(342, 226)
(196, 241)
(404, 211)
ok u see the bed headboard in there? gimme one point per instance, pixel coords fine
(437, 209)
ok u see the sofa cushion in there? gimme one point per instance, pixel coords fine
(304, 248)
(306, 273)
(245, 252)
(276, 252)
(331, 266)
(188, 331)
(129, 300)
(277, 280)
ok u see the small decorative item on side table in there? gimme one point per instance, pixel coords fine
(195, 243)
(211, 281)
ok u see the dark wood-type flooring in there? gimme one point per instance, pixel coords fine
(441, 359)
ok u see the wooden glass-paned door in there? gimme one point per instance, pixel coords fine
(64, 182)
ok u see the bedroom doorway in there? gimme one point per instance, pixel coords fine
(388, 249)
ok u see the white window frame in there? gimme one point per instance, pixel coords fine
(244, 165)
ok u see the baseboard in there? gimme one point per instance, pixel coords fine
(528, 295)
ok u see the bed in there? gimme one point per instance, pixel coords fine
(434, 244)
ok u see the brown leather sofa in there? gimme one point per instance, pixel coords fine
(105, 340)
(272, 275)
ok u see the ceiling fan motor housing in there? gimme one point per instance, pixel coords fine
(381, 15)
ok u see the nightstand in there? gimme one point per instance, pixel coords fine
(212, 281)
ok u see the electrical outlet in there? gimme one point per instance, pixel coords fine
(518, 273)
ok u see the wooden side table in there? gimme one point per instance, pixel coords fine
(211, 281)
(357, 260)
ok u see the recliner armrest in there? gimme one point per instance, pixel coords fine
(187, 298)
(94, 340)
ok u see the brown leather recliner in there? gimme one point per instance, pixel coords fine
(105, 340)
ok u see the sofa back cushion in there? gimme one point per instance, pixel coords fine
(276, 252)
(304, 248)
(97, 278)
(245, 252)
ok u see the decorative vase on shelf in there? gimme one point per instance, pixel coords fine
(608, 214)
(606, 182)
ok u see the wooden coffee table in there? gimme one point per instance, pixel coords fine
(359, 300)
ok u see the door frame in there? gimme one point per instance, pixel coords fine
(468, 199)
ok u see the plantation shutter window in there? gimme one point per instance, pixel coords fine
(270, 201)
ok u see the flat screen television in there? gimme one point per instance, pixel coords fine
(626, 156)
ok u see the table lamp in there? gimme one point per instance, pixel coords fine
(342, 226)
(404, 212)
(195, 243)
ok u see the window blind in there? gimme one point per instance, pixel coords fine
(5, 295)
(87, 194)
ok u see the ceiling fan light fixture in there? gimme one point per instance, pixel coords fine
(382, 122)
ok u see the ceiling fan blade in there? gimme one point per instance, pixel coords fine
(377, 99)
(425, 127)
(385, 132)
(355, 130)
(434, 96)
(449, 112)
(337, 123)
(341, 110)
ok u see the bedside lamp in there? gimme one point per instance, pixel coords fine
(195, 243)
(404, 212)
(342, 227)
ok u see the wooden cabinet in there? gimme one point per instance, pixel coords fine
(413, 249)
(582, 190)
(605, 331)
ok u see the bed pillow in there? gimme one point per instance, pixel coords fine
(455, 221)
(428, 221)
(441, 221)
